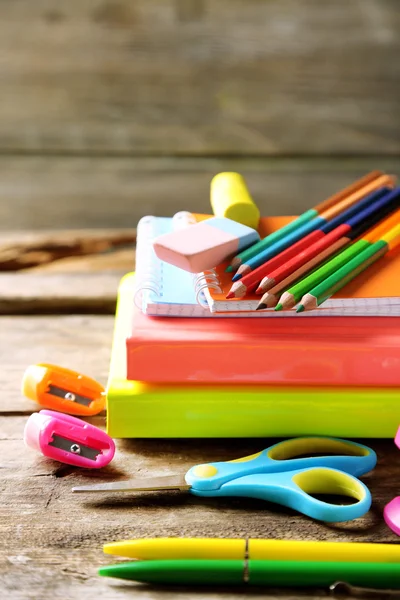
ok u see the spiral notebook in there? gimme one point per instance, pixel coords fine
(163, 289)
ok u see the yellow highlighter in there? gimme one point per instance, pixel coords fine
(212, 548)
(230, 198)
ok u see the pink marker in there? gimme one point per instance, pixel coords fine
(68, 440)
(204, 245)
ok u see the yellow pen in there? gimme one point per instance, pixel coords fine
(212, 548)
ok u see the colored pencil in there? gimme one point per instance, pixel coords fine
(377, 208)
(271, 298)
(313, 246)
(307, 228)
(350, 270)
(306, 216)
(268, 281)
(295, 293)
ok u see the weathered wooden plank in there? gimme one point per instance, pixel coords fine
(77, 342)
(21, 254)
(60, 293)
(165, 76)
(116, 262)
(70, 193)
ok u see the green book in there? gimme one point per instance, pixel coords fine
(141, 410)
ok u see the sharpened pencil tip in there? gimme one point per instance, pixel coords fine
(229, 269)
(230, 295)
(237, 276)
(279, 307)
(300, 308)
(261, 306)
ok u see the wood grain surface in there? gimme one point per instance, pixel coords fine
(73, 193)
(202, 77)
(111, 110)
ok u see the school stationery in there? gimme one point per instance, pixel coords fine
(161, 288)
(271, 573)
(63, 390)
(224, 549)
(305, 217)
(142, 410)
(377, 291)
(164, 350)
(357, 225)
(375, 202)
(205, 244)
(351, 227)
(68, 440)
(230, 198)
(289, 240)
(294, 293)
(350, 270)
(271, 475)
(391, 511)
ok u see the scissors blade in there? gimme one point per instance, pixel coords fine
(169, 482)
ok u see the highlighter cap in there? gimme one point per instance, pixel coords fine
(230, 198)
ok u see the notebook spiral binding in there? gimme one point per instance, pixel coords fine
(206, 280)
(200, 280)
(149, 270)
(148, 266)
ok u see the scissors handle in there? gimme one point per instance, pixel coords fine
(336, 453)
(295, 490)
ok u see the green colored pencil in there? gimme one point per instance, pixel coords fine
(297, 291)
(272, 573)
(344, 275)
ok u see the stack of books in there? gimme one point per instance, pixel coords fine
(189, 362)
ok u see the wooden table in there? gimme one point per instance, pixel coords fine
(51, 540)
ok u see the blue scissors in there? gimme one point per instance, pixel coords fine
(280, 474)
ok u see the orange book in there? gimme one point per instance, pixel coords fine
(374, 292)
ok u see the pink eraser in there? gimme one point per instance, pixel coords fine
(204, 245)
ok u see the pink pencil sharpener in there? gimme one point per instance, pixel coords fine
(68, 440)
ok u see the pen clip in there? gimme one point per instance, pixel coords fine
(342, 588)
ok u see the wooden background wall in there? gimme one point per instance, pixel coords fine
(113, 109)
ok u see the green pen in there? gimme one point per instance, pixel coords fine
(271, 573)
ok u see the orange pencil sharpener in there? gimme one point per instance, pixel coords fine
(63, 390)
